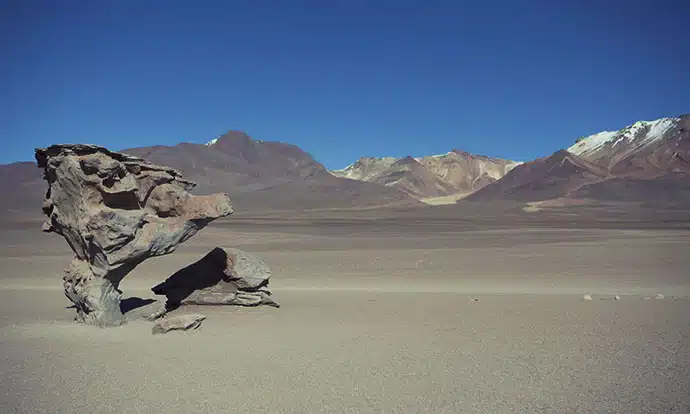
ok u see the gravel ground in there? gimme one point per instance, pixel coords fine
(371, 323)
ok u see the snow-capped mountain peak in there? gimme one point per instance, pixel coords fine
(434, 156)
(633, 137)
(365, 168)
(211, 142)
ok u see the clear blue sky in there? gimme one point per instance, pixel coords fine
(341, 79)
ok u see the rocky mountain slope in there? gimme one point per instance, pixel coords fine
(410, 176)
(366, 168)
(457, 172)
(545, 178)
(646, 162)
(643, 149)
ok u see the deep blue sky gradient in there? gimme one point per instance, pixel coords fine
(341, 79)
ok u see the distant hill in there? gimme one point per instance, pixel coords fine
(454, 173)
(542, 179)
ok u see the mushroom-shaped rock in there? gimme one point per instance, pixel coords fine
(222, 277)
(115, 211)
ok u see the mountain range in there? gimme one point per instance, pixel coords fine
(454, 173)
(648, 161)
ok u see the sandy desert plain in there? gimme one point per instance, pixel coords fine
(428, 310)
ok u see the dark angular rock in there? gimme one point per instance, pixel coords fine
(222, 277)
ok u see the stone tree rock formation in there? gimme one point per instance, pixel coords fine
(115, 211)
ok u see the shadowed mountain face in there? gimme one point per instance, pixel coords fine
(647, 162)
(235, 161)
(670, 188)
(545, 178)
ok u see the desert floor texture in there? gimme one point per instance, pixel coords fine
(445, 315)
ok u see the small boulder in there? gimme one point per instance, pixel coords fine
(222, 277)
(178, 323)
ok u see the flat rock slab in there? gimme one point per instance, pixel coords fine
(219, 296)
(142, 309)
(178, 323)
